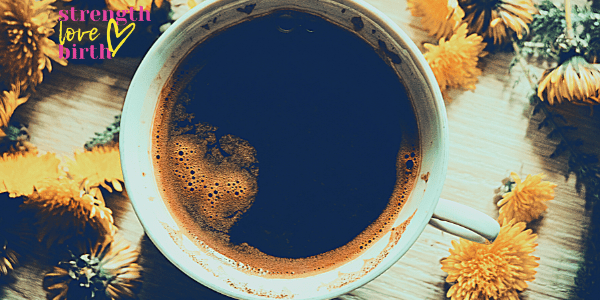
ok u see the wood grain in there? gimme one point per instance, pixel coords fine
(491, 134)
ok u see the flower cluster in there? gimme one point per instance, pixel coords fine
(68, 200)
(464, 28)
(494, 20)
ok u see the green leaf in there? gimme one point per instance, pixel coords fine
(545, 122)
(109, 135)
(560, 149)
(560, 117)
(536, 109)
(554, 134)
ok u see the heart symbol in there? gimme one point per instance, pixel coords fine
(118, 33)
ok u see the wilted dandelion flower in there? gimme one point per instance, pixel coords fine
(575, 81)
(108, 270)
(497, 19)
(9, 100)
(67, 209)
(8, 258)
(526, 200)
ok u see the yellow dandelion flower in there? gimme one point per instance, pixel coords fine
(497, 19)
(108, 269)
(21, 172)
(454, 61)
(438, 17)
(9, 100)
(99, 165)
(25, 47)
(136, 4)
(526, 201)
(66, 209)
(494, 270)
(575, 81)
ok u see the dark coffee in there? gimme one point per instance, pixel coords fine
(286, 143)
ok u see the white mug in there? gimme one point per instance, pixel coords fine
(216, 271)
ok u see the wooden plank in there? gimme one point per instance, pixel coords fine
(491, 135)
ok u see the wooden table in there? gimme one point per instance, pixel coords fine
(491, 135)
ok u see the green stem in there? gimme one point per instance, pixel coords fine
(542, 104)
(522, 63)
(570, 32)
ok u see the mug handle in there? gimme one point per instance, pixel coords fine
(464, 221)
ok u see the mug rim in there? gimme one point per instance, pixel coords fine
(134, 153)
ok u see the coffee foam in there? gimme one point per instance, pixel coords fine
(212, 188)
